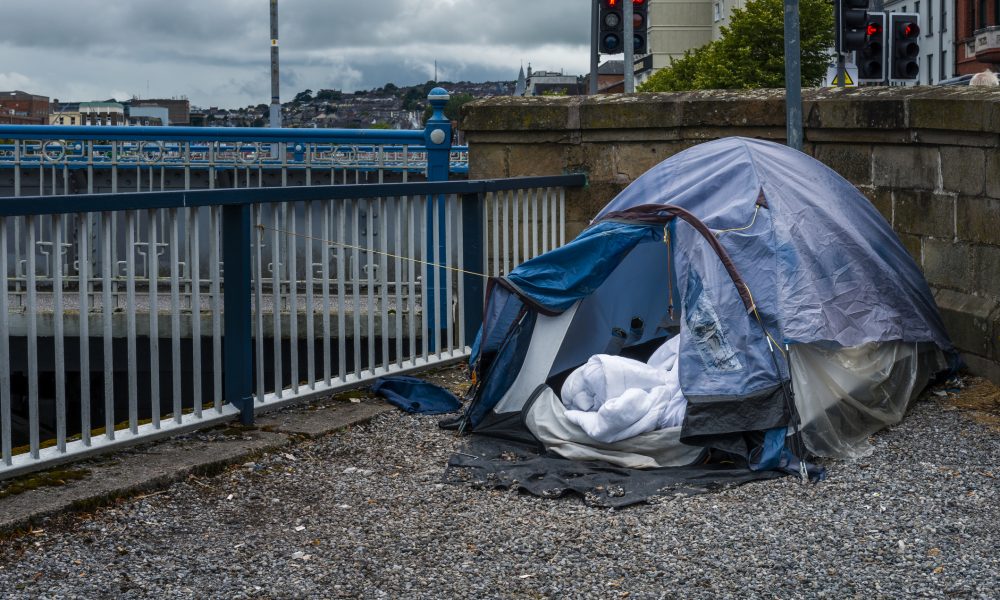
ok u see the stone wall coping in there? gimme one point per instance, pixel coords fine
(954, 108)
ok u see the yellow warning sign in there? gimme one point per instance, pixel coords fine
(847, 80)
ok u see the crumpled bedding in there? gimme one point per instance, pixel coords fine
(613, 398)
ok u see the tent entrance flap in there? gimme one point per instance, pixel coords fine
(545, 342)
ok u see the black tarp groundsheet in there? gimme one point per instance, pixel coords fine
(496, 463)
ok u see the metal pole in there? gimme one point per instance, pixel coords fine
(595, 15)
(275, 97)
(793, 76)
(841, 70)
(473, 219)
(236, 340)
(629, 35)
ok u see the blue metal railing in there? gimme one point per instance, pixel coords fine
(43, 154)
(430, 243)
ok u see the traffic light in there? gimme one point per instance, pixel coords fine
(640, 10)
(904, 47)
(871, 57)
(851, 20)
(611, 27)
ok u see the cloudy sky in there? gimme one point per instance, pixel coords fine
(217, 52)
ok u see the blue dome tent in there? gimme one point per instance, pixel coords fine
(797, 309)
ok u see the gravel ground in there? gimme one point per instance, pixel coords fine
(364, 514)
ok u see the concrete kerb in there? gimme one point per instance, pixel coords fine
(149, 467)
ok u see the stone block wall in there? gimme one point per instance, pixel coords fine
(928, 158)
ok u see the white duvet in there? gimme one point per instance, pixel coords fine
(613, 398)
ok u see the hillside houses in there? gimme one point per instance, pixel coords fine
(388, 107)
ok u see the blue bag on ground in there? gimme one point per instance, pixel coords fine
(416, 395)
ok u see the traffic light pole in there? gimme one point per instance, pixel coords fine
(275, 114)
(628, 42)
(793, 76)
(841, 70)
(595, 17)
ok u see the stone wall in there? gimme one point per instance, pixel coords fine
(928, 158)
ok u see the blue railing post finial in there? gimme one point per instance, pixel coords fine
(437, 139)
(437, 136)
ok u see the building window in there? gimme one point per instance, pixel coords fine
(944, 74)
(981, 17)
(717, 12)
(930, 69)
(944, 16)
(72, 120)
(930, 18)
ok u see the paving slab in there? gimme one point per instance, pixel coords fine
(323, 420)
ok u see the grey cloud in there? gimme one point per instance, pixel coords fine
(216, 51)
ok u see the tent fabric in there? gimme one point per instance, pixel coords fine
(505, 369)
(416, 395)
(554, 281)
(771, 270)
(834, 268)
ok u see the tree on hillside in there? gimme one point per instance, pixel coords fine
(329, 95)
(414, 98)
(303, 96)
(751, 51)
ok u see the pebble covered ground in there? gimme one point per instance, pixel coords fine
(363, 513)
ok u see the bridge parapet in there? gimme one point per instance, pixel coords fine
(40, 160)
(927, 157)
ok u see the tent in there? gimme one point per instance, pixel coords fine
(797, 308)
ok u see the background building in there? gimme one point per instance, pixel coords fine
(148, 115)
(22, 108)
(87, 113)
(675, 26)
(977, 35)
(540, 83)
(178, 109)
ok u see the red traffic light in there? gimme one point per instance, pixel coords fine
(873, 29)
(908, 30)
